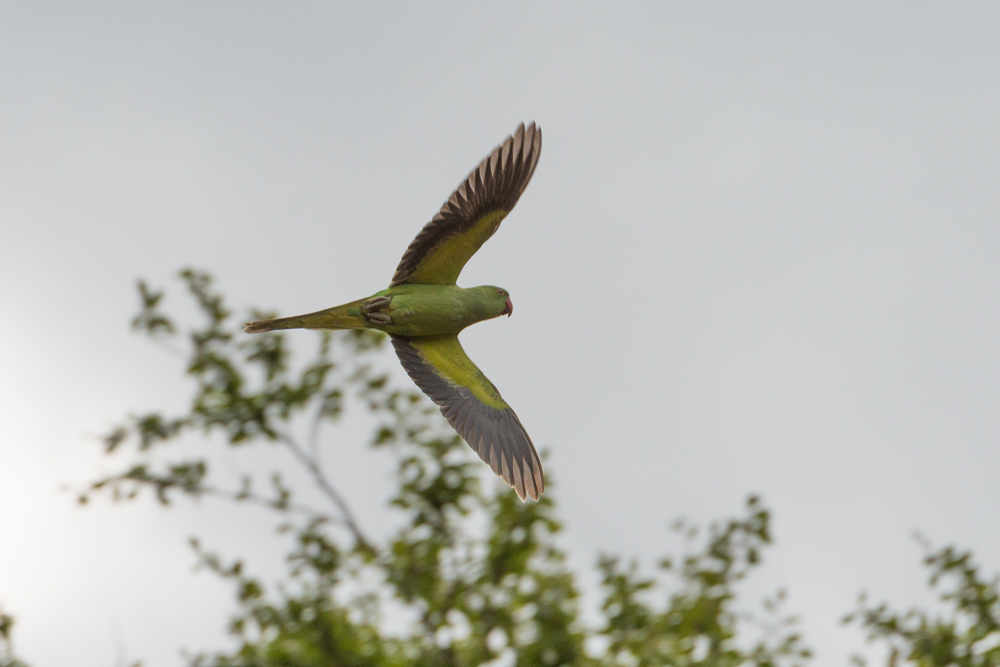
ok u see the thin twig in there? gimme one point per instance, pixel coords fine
(270, 503)
(314, 434)
(317, 473)
(172, 350)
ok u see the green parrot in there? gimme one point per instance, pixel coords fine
(423, 311)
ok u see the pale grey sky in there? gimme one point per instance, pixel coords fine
(758, 255)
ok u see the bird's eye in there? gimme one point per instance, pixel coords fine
(499, 291)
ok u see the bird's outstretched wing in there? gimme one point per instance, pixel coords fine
(474, 408)
(472, 213)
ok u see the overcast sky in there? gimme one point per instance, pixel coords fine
(759, 254)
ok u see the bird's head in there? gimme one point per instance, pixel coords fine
(499, 300)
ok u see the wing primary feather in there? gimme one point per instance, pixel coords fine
(527, 465)
(460, 419)
(450, 407)
(522, 457)
(518, 143)
(476, 431)
(483, 451)
(508, 477)
(481, 179)
(530, 455)
(489, 452)
(514, 457)
(506, 164)
(491, 459)
(494, 161)
(537, 152)
(504, 466)
(515, 464)
(494, 427)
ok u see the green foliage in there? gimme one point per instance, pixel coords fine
(698, 625)
(479, 574)
(966, 633)
(7, 658)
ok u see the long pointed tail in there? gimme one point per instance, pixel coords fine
(347, 316)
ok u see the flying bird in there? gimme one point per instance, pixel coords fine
(423, 311)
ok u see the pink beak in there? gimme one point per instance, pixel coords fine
(510, 308)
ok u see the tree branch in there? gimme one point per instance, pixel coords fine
(270, 503)
(347, 516)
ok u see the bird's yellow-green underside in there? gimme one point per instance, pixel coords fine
(445, 353)
(442, 264)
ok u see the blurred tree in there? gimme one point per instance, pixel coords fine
(479, 572)
(965, 632)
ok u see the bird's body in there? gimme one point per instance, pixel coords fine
(404, 310)
(423, 311)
